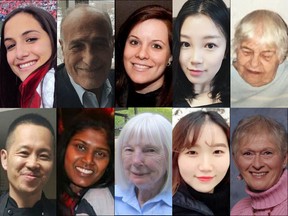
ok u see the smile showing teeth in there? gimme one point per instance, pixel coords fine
(27, 64)
(258, 174)
(140, 66)
(85, 171)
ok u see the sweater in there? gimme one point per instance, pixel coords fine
(273, 94)
(270, 202)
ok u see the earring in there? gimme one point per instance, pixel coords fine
(240, 177)
(169, 63)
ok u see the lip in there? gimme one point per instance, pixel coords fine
(258, 175)
(138, 174)
(140, 66)
(30, 177)
(205, 178)
(84, 171)
(26, 65)
(253, 72)
(194, 72)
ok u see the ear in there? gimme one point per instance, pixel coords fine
(4, 156)
(285, 161)
(170, 59)
(61, 44)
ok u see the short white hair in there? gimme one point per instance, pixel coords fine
(268, 25)
(156, 129)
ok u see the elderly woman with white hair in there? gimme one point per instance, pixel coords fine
(260, 69)
(143, 167)
(259, 147)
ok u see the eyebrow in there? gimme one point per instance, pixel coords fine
(23, 34)
(205, 37)
(157, 40)
(246, 47)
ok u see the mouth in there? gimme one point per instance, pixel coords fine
(84, 171)
(138, 174)
(258, 174)
(194, 72)
(141, 67)
(205, 178)
(26, 65)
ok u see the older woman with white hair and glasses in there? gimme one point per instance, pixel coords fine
(260, 68)
(143, 167)
(259, 147)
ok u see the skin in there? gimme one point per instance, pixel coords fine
(28, 161)
(201, 52)
(28, 45)
(257, 63)
(87, 48)
(86, 159)
(205, 164)
(260, 162)
(146, 55)
(145, 165)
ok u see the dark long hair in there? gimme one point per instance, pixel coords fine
(9, 82)
(220, 85)
(123, 82)
(193, 122)
(96, 119)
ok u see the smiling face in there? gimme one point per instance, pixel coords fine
(145, 164)
(201, 51)
(147, 53)
(87, 47)
(28, 45)
(87, 157)
(28, 160)
(204, 165)
(257, 63)
(260, 161)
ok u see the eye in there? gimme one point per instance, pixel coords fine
(128, 149)
(218, 152)
(101, 154)
(157, 46)
(80, 147)
(45, 157)
(23, 154)
(133, 42)
(191, 152)
(246, 52)
(210, 46)
(184, 44)
(9, 46)
(31, 39)
(149, 150)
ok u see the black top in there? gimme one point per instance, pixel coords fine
(142, 100)
(188, 201)
(9, 207)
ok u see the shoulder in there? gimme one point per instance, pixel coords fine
(243, 207)
(183, 204)
(49, 205)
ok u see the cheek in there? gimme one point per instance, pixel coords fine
(10, 58)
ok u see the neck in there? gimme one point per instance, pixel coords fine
(25, 200)
(145, 194)
(76, 189)
(150, 87)
(202, 88)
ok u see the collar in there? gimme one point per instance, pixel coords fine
(129, 196)
(106, 91)
(271, 197)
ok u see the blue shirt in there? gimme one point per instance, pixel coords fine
(126, 203)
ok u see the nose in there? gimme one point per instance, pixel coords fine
(196, 56)
(137, 158)
(205, 164)
(21, 51)
(142, 52)
(88, 159)
(257, 162)
(32, 163)
(254, 61)
(89, 55)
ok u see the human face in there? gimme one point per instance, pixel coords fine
(201, 52)
(28, 45)
(204, 165)
(145, 164)
(87, 157)
(260, 162)
(28, 160)
(146, 54)
(257, 63)
(87, 48)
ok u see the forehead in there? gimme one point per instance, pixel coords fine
(256, 45)
(92, 136)
(21, 22)
(258, 141)
(200, 21)
(83, 22)
(153, 28)
(35, 136)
